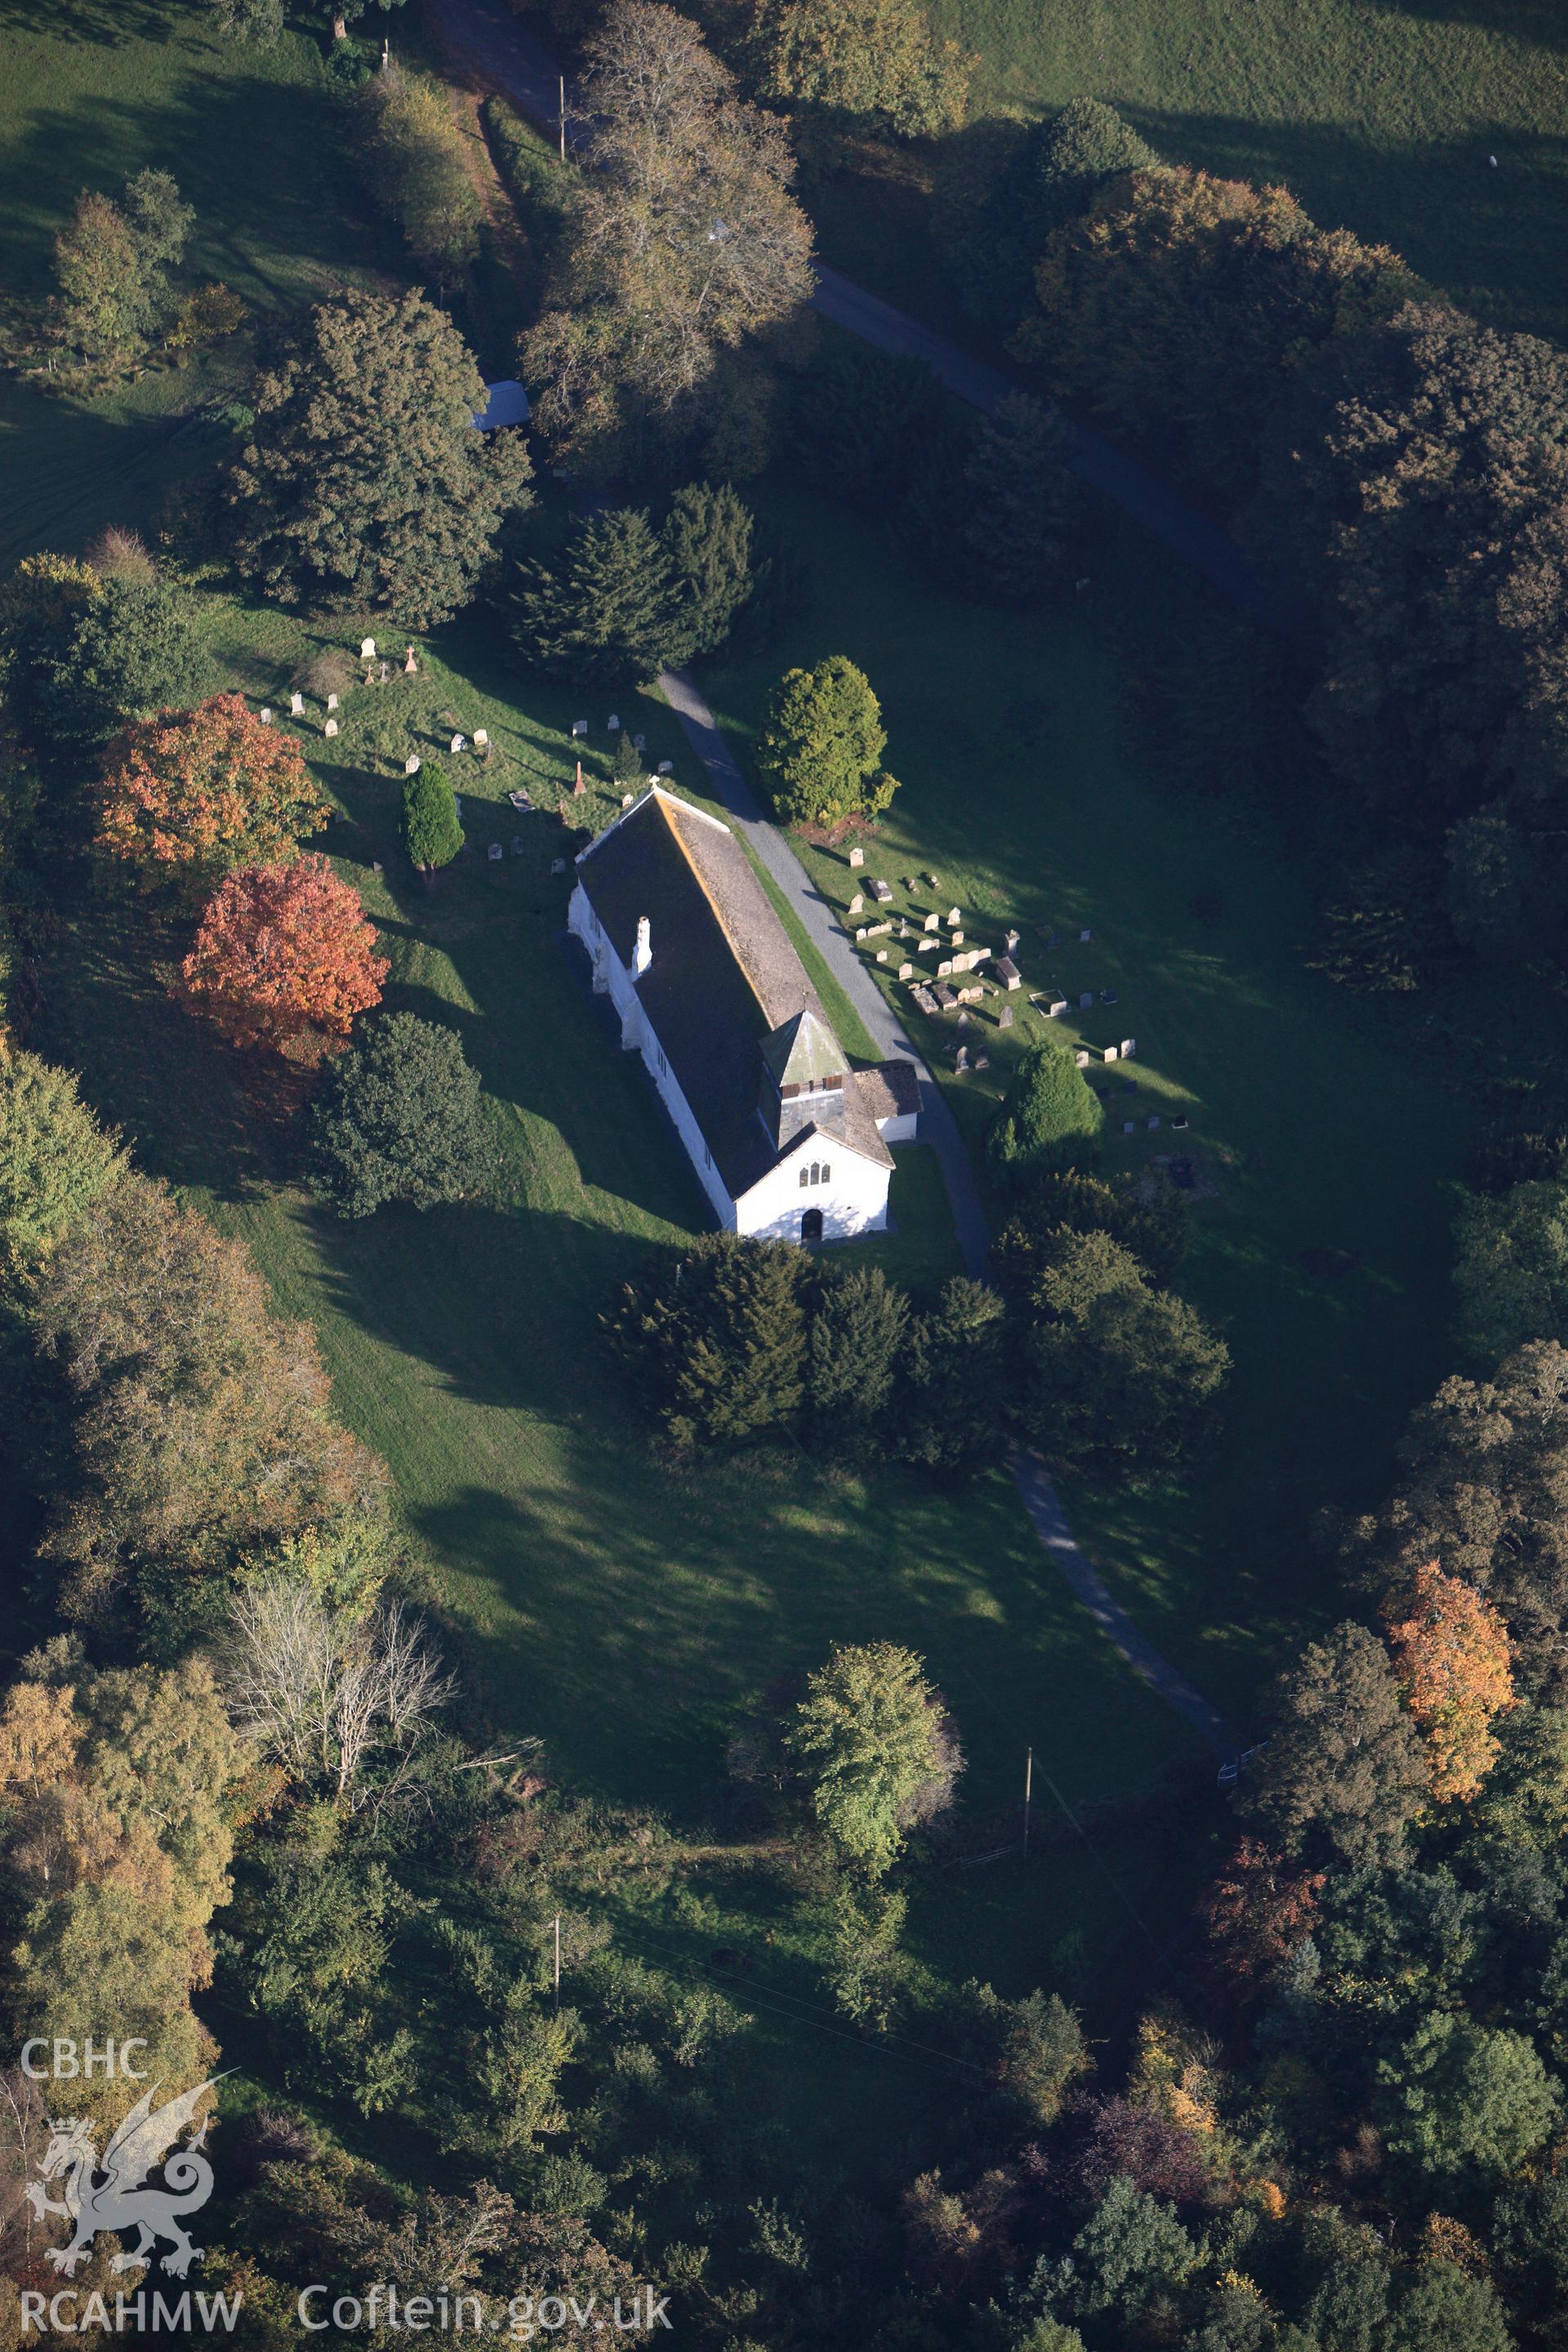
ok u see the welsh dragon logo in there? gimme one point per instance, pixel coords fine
(114, 2195)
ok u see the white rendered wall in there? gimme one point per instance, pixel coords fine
(854, 1200)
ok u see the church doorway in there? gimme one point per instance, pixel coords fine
(811, 1225)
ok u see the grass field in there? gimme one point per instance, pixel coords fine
(1319, 1222)
(1381, 114)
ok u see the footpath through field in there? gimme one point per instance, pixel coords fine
(499, 50)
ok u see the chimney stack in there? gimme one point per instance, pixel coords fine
(642, 954)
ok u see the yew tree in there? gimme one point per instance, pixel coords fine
(192, 795)
(284, 955)
(365, 483)
(820, 746)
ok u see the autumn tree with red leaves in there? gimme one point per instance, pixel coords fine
(1453, 1659)
(194, 794)
(1257, 1911)
(284, 955)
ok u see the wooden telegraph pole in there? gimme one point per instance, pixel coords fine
(1029, 1789)
(558, 1964)
(563, 82)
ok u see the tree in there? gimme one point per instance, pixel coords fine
(197, 1425)
(865, 425)
(1055, 171)
(113, 262)
(416, 156)
(1484, 1488)
(605, 610)
(134, 650)
(1043, 2052)
(284, 953)
(1342, 1759)
(1048, 1117)
(1444, 2309)
(1511, 1274)
(1259, 1912)
(40, 606)
(872, 1743)
(1152, 1226)
(878, 62)
(1451, 1656)
(365, 483)
(1117, 1375)
(852, 1347)
(716, 1344)
(192, 795)
(1180, 301)
(54, 1158)
(684, 244)
(400, 1118)
(1466, 2100)
(432, 829)
(707, 539)
(1413, 490)
(820, 744)
(1022, 502)
(259, 22)
(949, 1418)
(336, 1699)
(1131, 2248)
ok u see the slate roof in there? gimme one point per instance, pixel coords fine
(890, 1089)
(800, 1050)
(723, 978)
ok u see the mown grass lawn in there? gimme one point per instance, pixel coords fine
(1320, 1240)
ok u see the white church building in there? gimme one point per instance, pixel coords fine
(788, 1142)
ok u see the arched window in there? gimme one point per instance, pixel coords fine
(804, 1178)
(827, 1172)
(816, 1173)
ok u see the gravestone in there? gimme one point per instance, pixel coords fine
(411, 765)
(1082, 1058)
(934, 881)
(331, 702)
(983, 1060)
(963, 1018)
(857, 904)
(881, 955)
(410, 666)
(926, 943)
(906, 971)
(626, 799)
(1180, 1120)
(367, 649)
(1108, 996)
(558, 865)
(1129, 1048)
(961, 1060)
(385, 672)
(856, 856)
(956, 940)
(1004, 1018)
(296, 706)
(331, 728)
(1108, 1055)
(1012, 946)
(615, 724)
(517, 844)
(495, 851)
(932, 922)
(1151, 1124)
(860, 934)
(667, 767)
(1084, 938)
(945, 971)
(375, 865)
(1058, 1006)
(953, 917)
(1086, 1002)
(265, 714)
(882, 892)
(1129, 1126)
(579, 727)
(457, 743)
(482, 740)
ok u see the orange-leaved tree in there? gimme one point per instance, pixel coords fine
(1257, 1911)
(192, 795)
(1453, 1659)
(284, 954)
